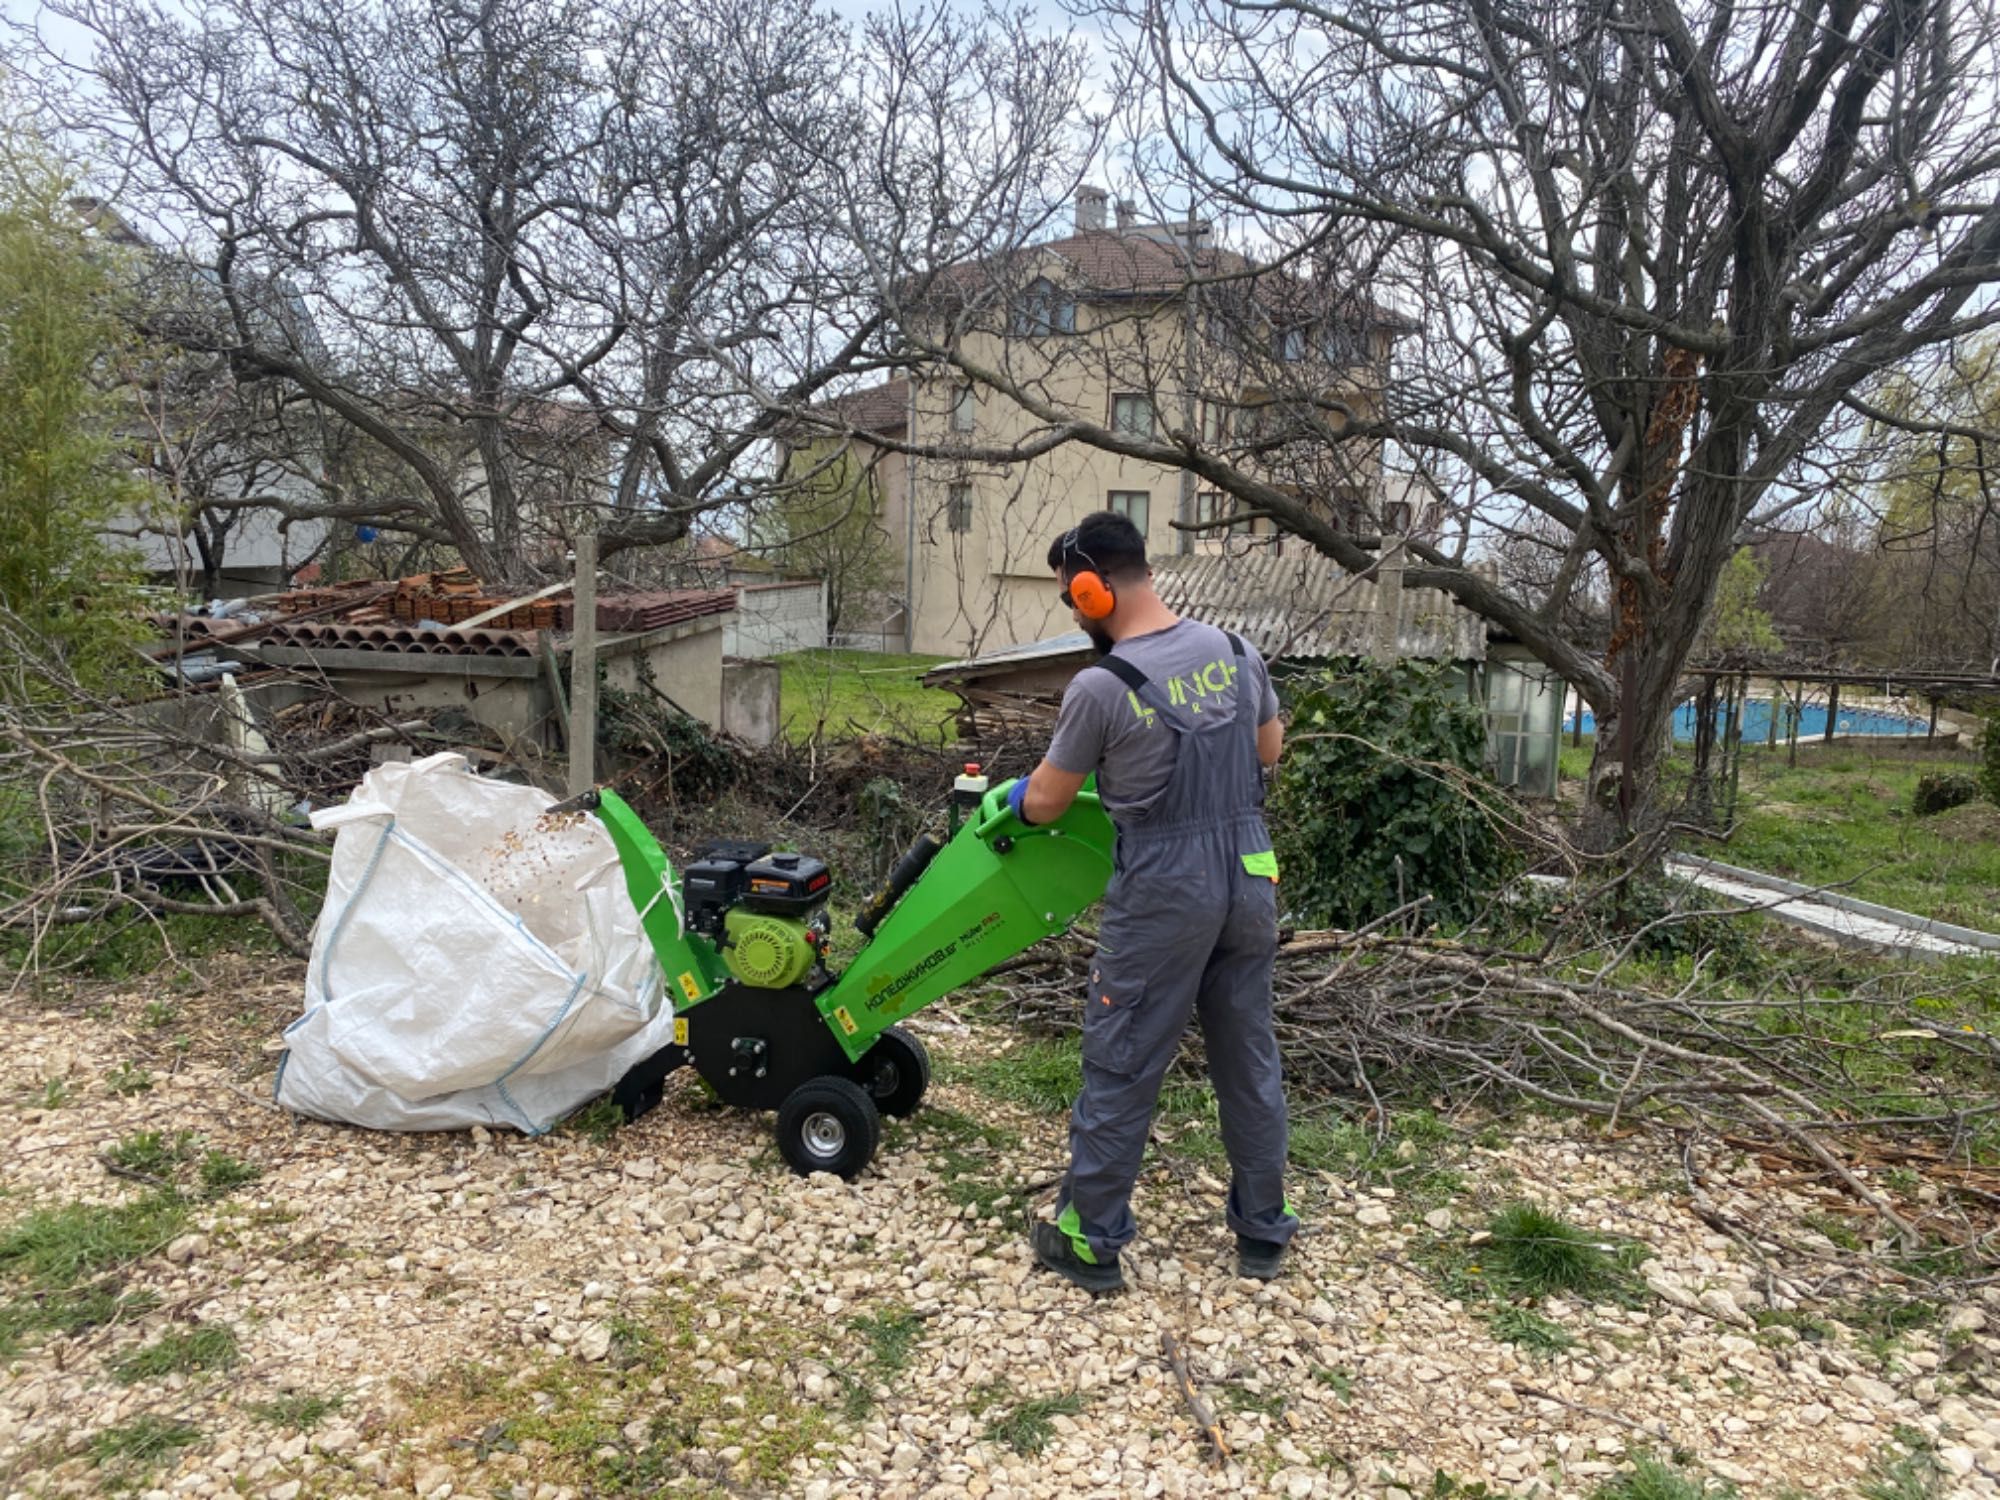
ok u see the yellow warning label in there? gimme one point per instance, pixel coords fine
(690, 987)
(680, 1031)
(846, 1021)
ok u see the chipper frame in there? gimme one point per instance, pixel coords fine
(741, 936)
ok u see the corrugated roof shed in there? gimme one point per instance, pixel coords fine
(1296, 607)
(1300, 604)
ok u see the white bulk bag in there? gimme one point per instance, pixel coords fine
(476, 962)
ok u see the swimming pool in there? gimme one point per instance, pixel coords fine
(1757, 721)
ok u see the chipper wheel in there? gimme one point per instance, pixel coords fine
(896, 1071)
(828, 1124)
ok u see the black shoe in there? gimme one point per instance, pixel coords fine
(1260, 1260)
(1054, 1251)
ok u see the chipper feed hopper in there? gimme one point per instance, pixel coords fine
(742, 936)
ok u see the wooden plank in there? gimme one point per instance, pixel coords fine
(553, 671)
(500, 609)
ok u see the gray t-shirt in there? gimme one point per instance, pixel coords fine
(1103, 727)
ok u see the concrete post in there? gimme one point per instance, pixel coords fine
(1389, 600)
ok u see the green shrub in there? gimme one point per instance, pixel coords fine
(1380, 798)
(1940, 791)
(1989, 756)
(1731, 937)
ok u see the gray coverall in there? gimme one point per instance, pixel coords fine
(1186, 931)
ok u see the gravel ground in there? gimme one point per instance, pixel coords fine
(475, 1314)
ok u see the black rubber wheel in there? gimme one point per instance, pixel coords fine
(896, 1071)
(828, 1125)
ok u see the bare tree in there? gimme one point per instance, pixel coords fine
(1656, 258)
(461, 226)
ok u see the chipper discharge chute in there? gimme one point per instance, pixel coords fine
(742, 936)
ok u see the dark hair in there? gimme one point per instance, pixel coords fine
(1103, 540)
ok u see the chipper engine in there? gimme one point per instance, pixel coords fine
(742, 935)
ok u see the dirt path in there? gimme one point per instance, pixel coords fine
(486, 1315)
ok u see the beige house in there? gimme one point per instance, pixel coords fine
(1140, 328)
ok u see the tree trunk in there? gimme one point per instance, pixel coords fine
(502, 501)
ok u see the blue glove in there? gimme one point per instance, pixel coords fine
(1017, 797)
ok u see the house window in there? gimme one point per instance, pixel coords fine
(1289, 345)
(1341, 345)
(1132, 416)
(1211, 506)
(958, 508)
(1132, 505)
(1042, 308)
(1213, 426)
(964, 409)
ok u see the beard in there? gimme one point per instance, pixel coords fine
(1100, 638)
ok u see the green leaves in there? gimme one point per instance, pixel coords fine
(1380, 798)
(63, 475)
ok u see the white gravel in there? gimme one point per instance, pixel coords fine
(443, 1286)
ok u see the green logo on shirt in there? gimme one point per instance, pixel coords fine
(1211, 681)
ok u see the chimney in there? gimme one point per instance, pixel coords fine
(1128, 215)
(1090, 203)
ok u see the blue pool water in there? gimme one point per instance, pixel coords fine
(1757, 720)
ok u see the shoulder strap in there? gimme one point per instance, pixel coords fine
(1123, 670)
(1235, 641)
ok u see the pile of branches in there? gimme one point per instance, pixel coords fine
(123, 808)
(1780, 1060)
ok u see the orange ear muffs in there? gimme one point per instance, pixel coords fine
(1091, 595)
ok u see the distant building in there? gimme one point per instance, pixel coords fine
(1143, 328)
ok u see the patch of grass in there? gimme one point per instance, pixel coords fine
(1846, 819)
(209, 1347)
(889, 1337)
(1905, 1470)
(1042, 1075)
(1450, 1487)
(842, 693)
(1533, 1253)
(141, 944)
(1190, 1122)
(1023, 1425)
(137, 1447)
(160, 1014)
(1837, 1229)
(221, 1173)
(55, 1094)
(971, 1158)
(57, 1247)
(295, 1411)
(581, 1410)
(1340, 1382)
(152, 1153)
(1652, 1478)
(66, 1262)
(1239, 1397)
(1514, 1324)
(128, 1078)
(597, 1122)
(1414, 1154)
(1880, 1321)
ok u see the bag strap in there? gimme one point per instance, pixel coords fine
(1123, 670)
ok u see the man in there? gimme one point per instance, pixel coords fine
(1177, 719)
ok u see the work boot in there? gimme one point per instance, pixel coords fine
(1054, 1251)
(1260, 1260)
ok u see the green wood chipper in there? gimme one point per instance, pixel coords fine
(742, 935)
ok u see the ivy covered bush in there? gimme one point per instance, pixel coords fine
(1376, 771)
(1940, 791)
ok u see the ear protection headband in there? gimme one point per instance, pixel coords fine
(1089, 592)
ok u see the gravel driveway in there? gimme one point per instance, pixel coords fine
(475, 1314)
